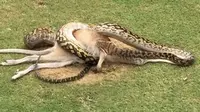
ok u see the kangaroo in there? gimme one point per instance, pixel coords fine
(91, 43)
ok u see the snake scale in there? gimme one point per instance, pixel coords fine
(146, 48)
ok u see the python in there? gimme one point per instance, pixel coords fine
(90, 43)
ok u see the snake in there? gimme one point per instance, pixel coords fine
(146, 48)
(126, 36)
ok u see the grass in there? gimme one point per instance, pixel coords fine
(152, 87)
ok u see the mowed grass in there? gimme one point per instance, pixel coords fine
(152, 87)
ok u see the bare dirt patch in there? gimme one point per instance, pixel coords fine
(109, 72)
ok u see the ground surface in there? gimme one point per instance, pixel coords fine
(152, 87)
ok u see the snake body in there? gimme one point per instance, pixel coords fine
(120, 33)
(146, 49)
(67, 79)
(40, 37)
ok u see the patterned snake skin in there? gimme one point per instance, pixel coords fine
(122, 34)
(146, 49)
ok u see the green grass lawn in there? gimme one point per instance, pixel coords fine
(152, 87)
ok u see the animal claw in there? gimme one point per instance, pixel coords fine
(17, 75)
(14, 77)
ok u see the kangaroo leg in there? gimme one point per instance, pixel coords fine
(57, 55)
(24, 51)
(19, 61)
(39, 66)
(160, 60)
(51, 57)
(102, 58)
(33, 58)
